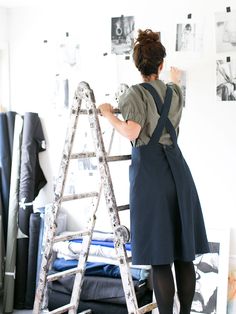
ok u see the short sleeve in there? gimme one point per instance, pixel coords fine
(132, 106)
(178, 92)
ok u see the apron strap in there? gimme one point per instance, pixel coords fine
(163, 110)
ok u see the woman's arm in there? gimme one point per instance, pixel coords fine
(128, 129)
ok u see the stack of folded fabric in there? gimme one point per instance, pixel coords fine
(102, 290)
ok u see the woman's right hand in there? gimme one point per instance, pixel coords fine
(105, 109)
(175, 75)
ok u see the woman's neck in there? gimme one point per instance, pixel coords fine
(149, 78)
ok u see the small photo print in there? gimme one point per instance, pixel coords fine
(207, 269)
(186, 37)
(225, 30)
(122, 34)
(226, 80)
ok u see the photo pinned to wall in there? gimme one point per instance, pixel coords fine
(231, 302)
(189, 37)
(68, 51)
(212, 275)
(122, 34)
(165, 76)
(226, 79)
(67, 58)
(61, 93)
(225, 30)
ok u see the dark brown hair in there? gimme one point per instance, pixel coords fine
(148, 52)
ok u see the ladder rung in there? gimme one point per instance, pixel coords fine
(63, 308)
(86, 312)
(71, 235)
(123, 207)
(147, 308)
(92, 154)
(64, 273)
(118, 158)
(85, 111)
(79, 196)
(82, 155)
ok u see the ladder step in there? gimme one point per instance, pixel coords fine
(82, 155)
(71, 235)
(123, 207)
(64, 273)
(63, 308)
(92, 154)
(85, 111)
(147, 308)
(72, 197)
(118, 158)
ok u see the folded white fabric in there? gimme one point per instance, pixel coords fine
(71, 250)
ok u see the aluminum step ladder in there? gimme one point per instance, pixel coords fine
(121, 234)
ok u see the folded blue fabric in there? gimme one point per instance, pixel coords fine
(99, 269)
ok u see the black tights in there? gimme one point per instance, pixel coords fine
(164, 287)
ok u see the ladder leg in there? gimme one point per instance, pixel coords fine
(112, 207)
(60, 184)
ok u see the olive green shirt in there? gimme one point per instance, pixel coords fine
(137, 104)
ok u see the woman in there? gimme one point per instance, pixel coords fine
(167, 225)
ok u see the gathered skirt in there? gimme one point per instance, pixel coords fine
(166, 217)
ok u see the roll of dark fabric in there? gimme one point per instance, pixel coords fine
(5, 166)
(21, 273)
(32, 180)
(109, 300)
(34, 230)
(12, 228)
(2, 251)
(11, 127)
(58, 299)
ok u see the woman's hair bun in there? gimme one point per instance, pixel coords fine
(147, 36)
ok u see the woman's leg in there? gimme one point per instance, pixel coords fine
(164, 288)
(185, 281)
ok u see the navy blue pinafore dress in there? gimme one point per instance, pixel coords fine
(166, 217)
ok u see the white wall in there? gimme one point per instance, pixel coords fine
(4, 59)
(208, 130)
(3, 24)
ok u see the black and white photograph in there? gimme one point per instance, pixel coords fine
(211, 275)
(225, 31)
(226, 79)
(122, 34)
(186, 37)
(207, 269)
(189, 37)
